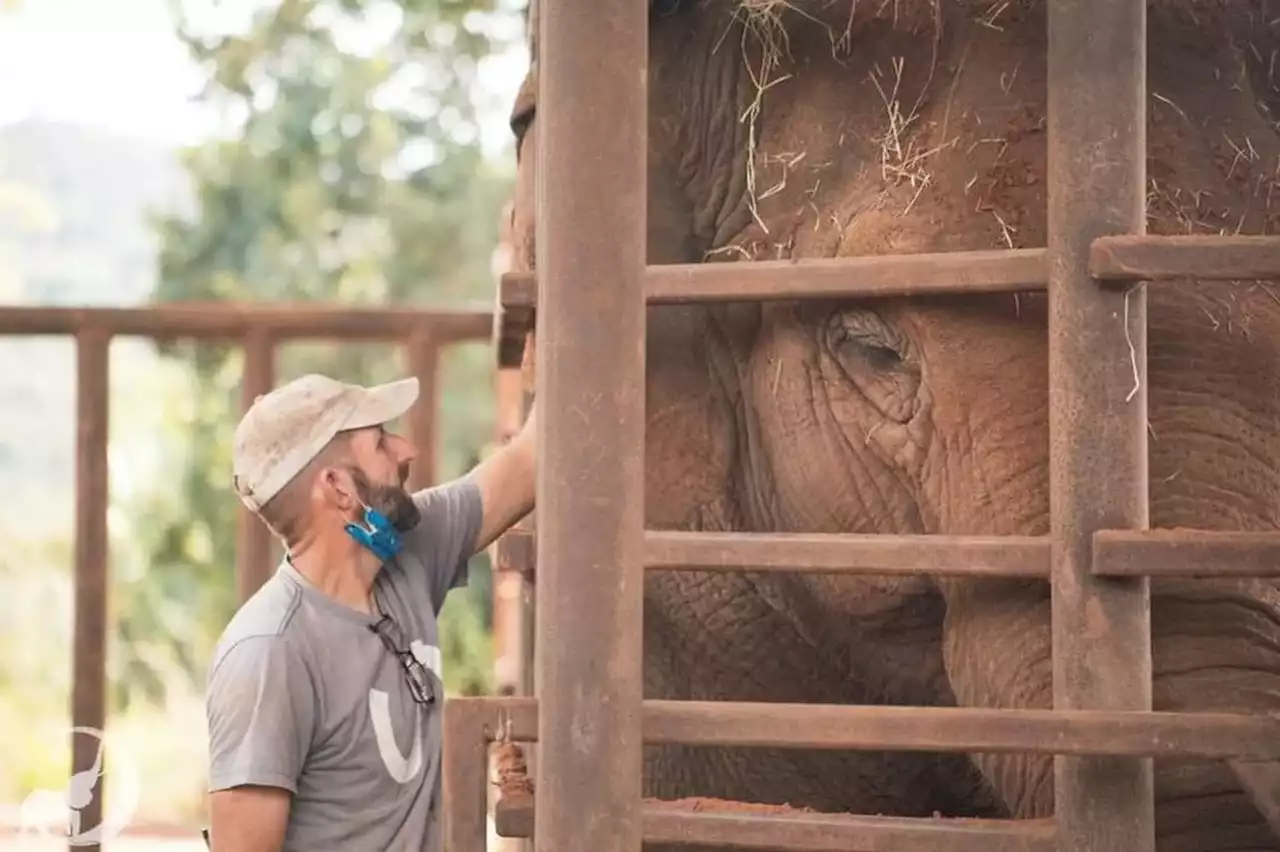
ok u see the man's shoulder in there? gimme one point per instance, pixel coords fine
(441, 502)
(451, 515)
(263, 625)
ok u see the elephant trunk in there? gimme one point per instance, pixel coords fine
(1215, 648)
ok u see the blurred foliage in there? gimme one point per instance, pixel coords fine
(355, 177)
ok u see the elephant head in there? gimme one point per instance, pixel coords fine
(826, 129)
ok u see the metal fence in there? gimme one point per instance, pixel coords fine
(588, 717)
(258, 328)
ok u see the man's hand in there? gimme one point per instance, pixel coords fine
(507, 479)
(248, 819)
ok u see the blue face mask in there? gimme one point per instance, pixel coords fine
(377, 535)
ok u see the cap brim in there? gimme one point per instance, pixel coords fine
(382, 404)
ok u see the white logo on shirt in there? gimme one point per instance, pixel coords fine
(402, 768)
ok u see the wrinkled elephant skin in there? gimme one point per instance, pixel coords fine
(924, 130)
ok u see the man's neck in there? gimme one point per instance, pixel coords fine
(342, 570)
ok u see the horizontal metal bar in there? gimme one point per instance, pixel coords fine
(939, 729)
(517, 296)
(1186, 553)
(517, 291)
(803, 832)
(229, 320)
(1116, 553)
(803, 553)
(874, 276)
(952, 555)
(514, 552)
(709, 823)
(871, 276)
(1158, 258)
(968, 729)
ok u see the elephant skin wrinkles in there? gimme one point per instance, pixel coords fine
(929, 415)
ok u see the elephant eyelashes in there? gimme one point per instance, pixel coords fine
(873, 356)
(866, 338)
(880, 357)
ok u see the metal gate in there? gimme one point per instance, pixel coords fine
(588, 717)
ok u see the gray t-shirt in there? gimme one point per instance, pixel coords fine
(303, 694)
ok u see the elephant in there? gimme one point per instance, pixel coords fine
(807, 129)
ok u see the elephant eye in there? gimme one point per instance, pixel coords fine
(875, 358)
(863, 336)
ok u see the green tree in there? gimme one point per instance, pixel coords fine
(355, 176)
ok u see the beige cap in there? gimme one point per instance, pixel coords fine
(285, 429)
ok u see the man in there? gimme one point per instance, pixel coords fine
(324, 693)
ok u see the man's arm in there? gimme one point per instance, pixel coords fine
(506, 480)
(251, 818)
(260, 715)
(461, 517)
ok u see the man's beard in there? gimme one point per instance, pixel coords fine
(393, 501)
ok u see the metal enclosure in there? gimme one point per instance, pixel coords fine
(587, 716)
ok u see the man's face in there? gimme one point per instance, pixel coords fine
(380, 473)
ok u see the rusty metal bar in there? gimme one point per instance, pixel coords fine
(875, 276)
(837, 833)
(591, 209)
(1185, 553)
(232, 321)
(423, 351)
(508, 579)
(1116, 553)
(668, 823)
(953, 555)
(1140, 257)
(515, 552)
(464, 779)
(803, 553)
(943, 729)
(528, 673)
(92, 562)
(989, 271)
(1097, 61)
(511, 324)
(253, 537)
(967, 729)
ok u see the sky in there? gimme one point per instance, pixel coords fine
(115, 65)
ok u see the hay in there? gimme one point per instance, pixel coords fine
(762, 22)
(1128, 339)
(764, 28)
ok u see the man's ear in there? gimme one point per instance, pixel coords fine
(336, 487)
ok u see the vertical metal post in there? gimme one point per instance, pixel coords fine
(464, 778)
(529, 618)
(1098, 413)
(89, 655)
(253, 538)
(590, 208)
(424, 362)
(508, 580)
